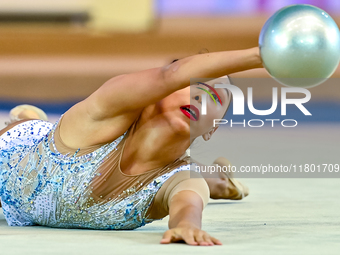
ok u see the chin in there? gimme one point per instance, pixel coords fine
(180, 126)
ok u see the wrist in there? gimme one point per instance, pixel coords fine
(256, 57)
(186, 224)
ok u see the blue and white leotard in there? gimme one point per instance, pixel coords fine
(40, 186)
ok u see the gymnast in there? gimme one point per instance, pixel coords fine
(117, 160)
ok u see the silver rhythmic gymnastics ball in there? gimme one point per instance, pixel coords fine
(300, 46)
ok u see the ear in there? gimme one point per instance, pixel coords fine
(207, 136)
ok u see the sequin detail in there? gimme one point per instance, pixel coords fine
(40, 186)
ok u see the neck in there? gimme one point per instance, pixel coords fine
(153, 142)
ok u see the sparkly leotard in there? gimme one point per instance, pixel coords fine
(41, 186)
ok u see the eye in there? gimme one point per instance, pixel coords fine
(197, 97)
(216, 98)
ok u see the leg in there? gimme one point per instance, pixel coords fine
(11, 125)
(223, 185)
(23, 113)
(26, 111)
(8, 128)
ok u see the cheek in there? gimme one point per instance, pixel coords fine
(216, 112)
(207, 122)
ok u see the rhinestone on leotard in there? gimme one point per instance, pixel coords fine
(40, 186)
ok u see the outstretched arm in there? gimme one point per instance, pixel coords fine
(131, 92)
(185, 213)
(120, 100)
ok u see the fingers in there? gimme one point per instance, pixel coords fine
(171, 236)
(207, 238)
(191, 237)
(201, 238)
(215, 241)
(167, 237)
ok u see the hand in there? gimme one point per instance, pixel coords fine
(190, 235)
(257, 54)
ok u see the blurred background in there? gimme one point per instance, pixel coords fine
(56, 53)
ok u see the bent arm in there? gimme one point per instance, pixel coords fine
(185, 220)
(185, 210)
(186, 202)
(131, 92)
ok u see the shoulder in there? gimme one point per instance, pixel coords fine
(81, 129)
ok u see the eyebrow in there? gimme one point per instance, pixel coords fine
(212, 89)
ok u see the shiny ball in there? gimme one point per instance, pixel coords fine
(300, 46)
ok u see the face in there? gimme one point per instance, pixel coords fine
(184, 108)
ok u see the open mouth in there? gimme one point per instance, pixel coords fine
(191, 112)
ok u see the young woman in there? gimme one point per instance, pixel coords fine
(131, 168)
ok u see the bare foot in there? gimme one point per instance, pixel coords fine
(25, 112)
(28, 114)
(222, 185)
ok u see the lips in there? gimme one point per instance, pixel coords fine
(191, 112)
